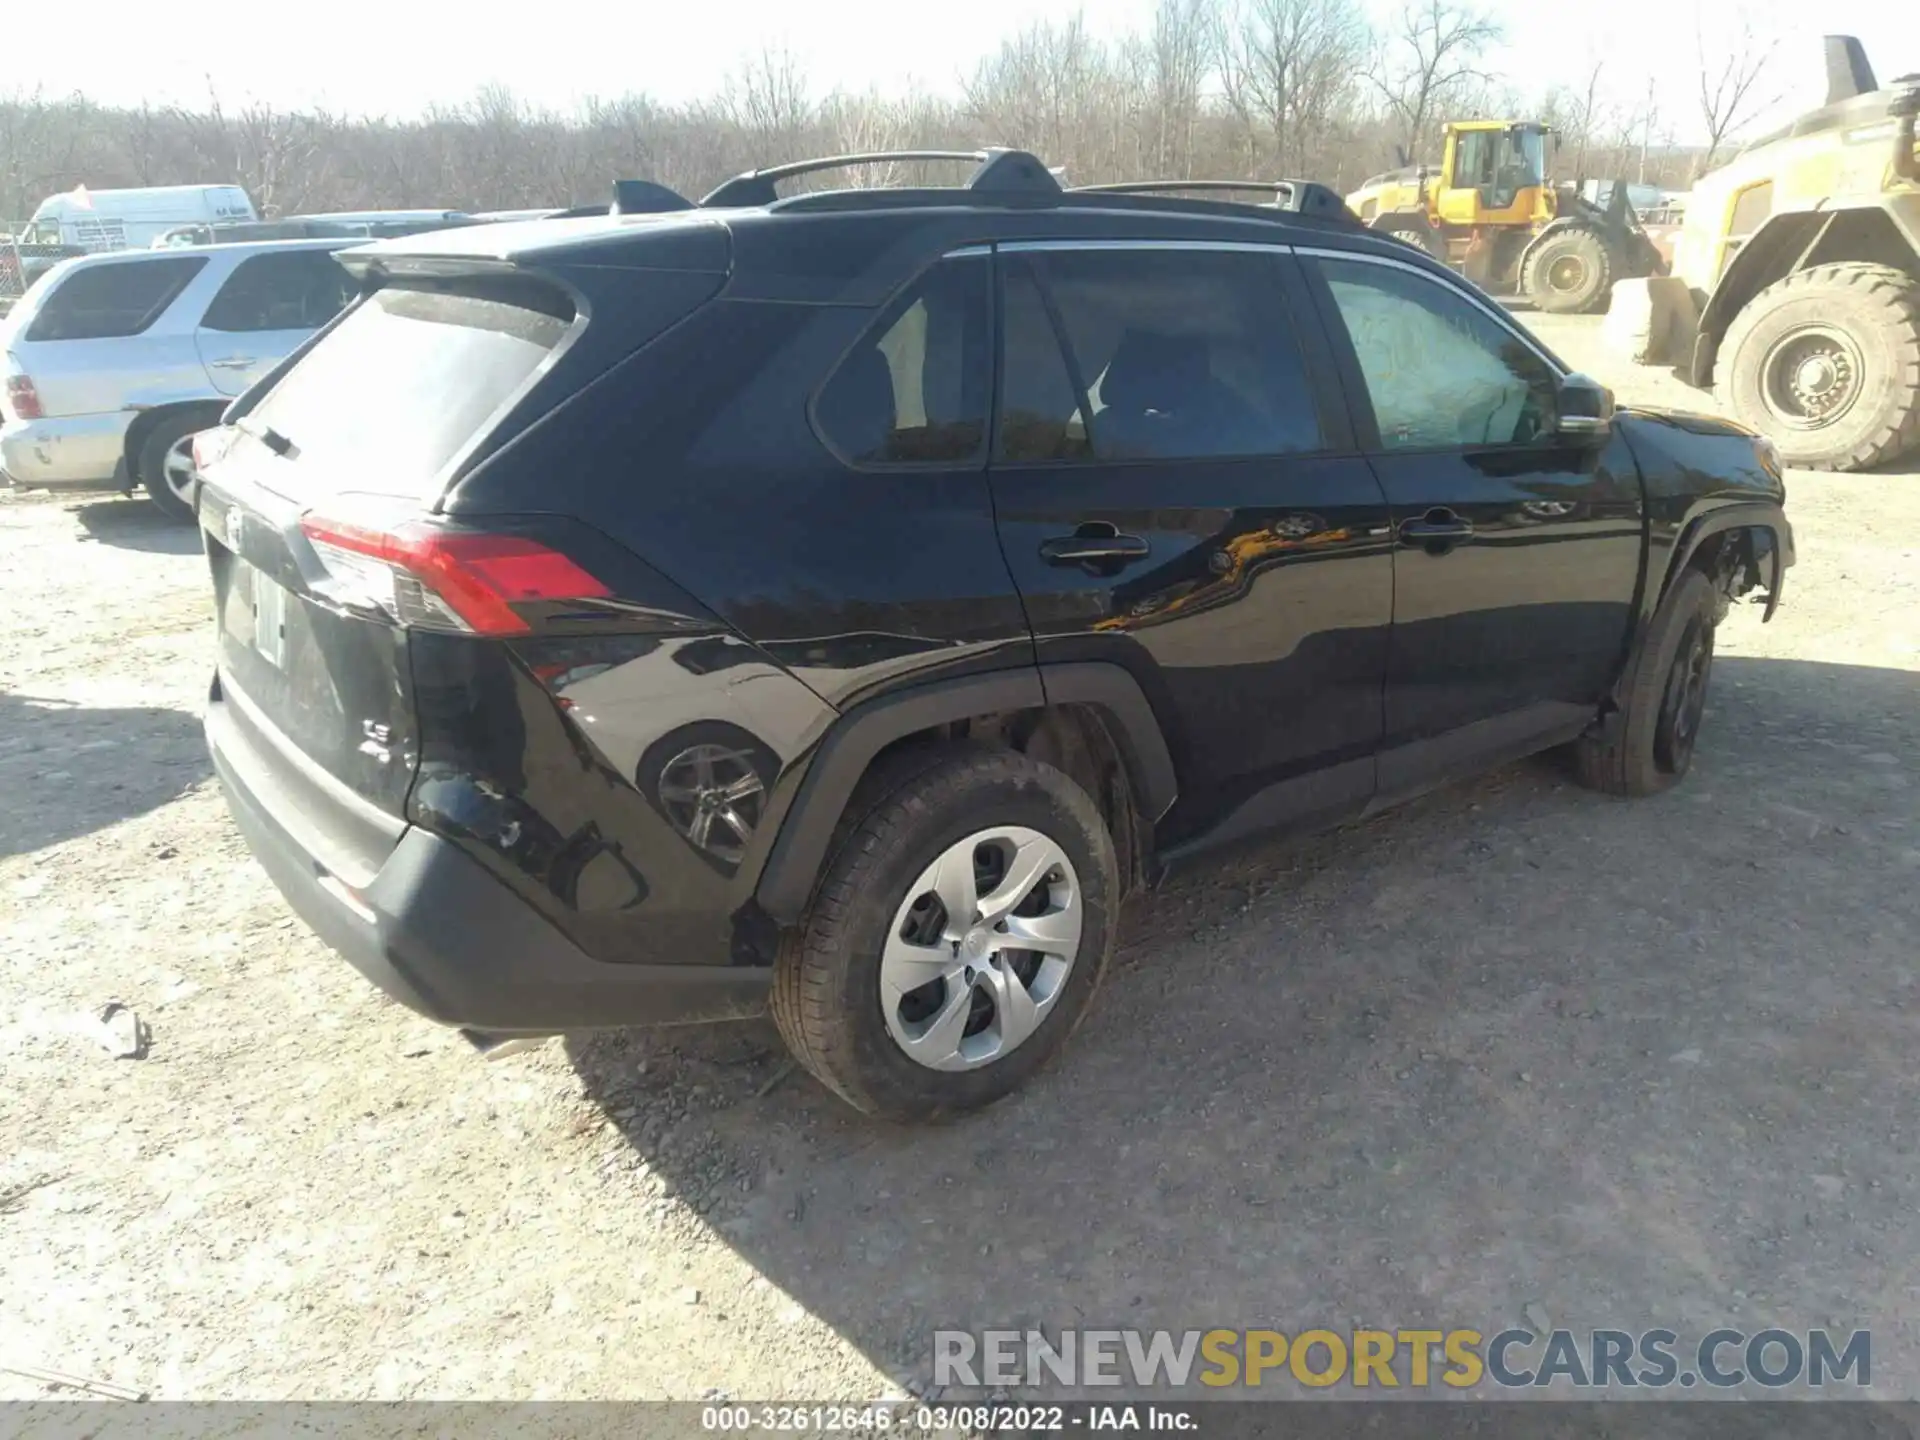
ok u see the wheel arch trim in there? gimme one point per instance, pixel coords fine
(1742, 515)
(799, 851)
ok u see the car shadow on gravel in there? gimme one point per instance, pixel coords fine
(1513, 1047)
(131, 523)
(69, 770)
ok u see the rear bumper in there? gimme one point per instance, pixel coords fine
(440, 935)
(66, 449)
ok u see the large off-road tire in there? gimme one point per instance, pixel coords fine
(1826, 364)
(1648, 745)
(960, 832)
(165, 466)
(1415, 232)
(1569, 273)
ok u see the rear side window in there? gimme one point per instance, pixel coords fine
(289, 290)
(1171, 355)
(100, 302)
(400, 386)
(914, 389)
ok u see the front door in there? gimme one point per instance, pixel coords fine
(1519, 552)
(1177, 493)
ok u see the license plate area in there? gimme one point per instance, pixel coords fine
(256, 613)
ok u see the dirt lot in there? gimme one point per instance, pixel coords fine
(1515, 1046)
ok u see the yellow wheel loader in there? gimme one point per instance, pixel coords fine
(1801, 260)
(1490, 212)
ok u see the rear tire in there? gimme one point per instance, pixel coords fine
(1569, 273)
(1826, 364)
(965, 1036)
(166, 464)
(1648, 745)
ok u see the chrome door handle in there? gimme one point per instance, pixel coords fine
(234, 362)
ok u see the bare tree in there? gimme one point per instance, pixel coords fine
(768, 97)
(1180, 52)
(1731, 94)
(1289, 68)
(1432, 50)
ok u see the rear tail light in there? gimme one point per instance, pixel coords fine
(432, 578)
(210, 445)
(23, 399)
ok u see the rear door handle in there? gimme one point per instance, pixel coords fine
(234, 362)
(1096, 542)
(1439, 526)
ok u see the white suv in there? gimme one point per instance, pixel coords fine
(114, 362)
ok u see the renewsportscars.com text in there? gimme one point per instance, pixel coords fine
(1458, 1359)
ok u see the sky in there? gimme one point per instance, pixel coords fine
(403, 55)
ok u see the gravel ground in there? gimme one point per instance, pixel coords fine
(1625, 1063)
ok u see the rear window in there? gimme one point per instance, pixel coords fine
(406, 380)
(99, 302)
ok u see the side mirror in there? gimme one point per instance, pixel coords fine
(1583, 409)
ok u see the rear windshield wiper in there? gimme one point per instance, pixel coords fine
(267, 436)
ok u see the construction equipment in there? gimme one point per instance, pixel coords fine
(1490, 212)
(1800, 267)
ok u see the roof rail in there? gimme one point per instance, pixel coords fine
(1302, 197)
(644, 197)
(999, 172)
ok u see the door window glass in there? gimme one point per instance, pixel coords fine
(292, 290)
(1438, 370)
(1182, 354)
(1040, 415)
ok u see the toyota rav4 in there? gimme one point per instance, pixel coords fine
(838, 603)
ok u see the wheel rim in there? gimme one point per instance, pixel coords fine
(1566, 274)
(177, 470)
(1684, 700)
(981, 948)
(1811, 377)
(713, 795)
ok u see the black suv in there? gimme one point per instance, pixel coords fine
(843, 601)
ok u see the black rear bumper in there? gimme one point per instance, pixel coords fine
(440, 935)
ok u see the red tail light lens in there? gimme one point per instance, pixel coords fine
(426, 576)
(209, 446)
(23, 399)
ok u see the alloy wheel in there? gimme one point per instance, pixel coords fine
(178, 472)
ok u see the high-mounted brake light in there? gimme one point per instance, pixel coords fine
(423, 575)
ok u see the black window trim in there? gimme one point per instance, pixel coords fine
(977, 461)
(1340, 438)
(1366, 424)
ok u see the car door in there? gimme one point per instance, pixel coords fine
(268, 305)
(1519, 549)
(1177, 493)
